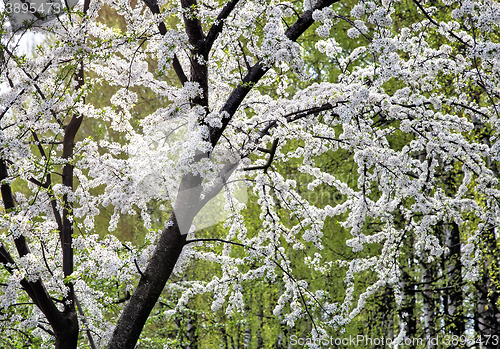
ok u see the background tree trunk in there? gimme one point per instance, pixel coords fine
(428, 274)
(454, 316)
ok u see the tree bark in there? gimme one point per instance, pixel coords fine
(488, 314)
(386, 314)
(192, 333)
(485, 318)
(428, 274)
(408, 307)
(64, 324)
(147, 292)
(66, 331)
(248, 334)
(455, 319)
(159, 269)
(260, 341)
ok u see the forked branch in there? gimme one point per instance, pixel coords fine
(155, 9)
(271, 153)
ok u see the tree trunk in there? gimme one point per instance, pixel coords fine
(428, 274)
(224, 339)
(455, 319)
(67, 331)
(484, 318)
(407, 310)
(238, 335)
(191, 333)
(248, 336)
(386, 309)
(488, 314)
(160, 266)
(260, 342)
(408, 307)
(147, 292)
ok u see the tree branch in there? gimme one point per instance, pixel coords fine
(216, 28)
(244, 55)
(294, 116)
(67, 221)
(437, 24)
(258, 70)
(84, 320)
(35, 290)
(219, 240)
(193, 26)
(194, 31)
(24, 90)
(155, 9)
(271, 152)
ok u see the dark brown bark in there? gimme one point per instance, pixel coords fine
(216, 29)
(137, 310)
(67, 328)
(271, 153)
(258, 70)
(64, 323)
(7, 197)
(66, 331)
(199, 56)
(158, 271)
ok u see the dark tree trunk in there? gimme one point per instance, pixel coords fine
(407, 284)
(192, 333)
(224, 338)
(454, 316)
(248, 334)
(408, 308)
(148, 290)
(386, 312)
(260, 341)
(487, 320)
(428, 274)
(67, 331)
(486, 317)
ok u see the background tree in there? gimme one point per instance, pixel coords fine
(388, 109)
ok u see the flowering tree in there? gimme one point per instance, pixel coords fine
(411, 97)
